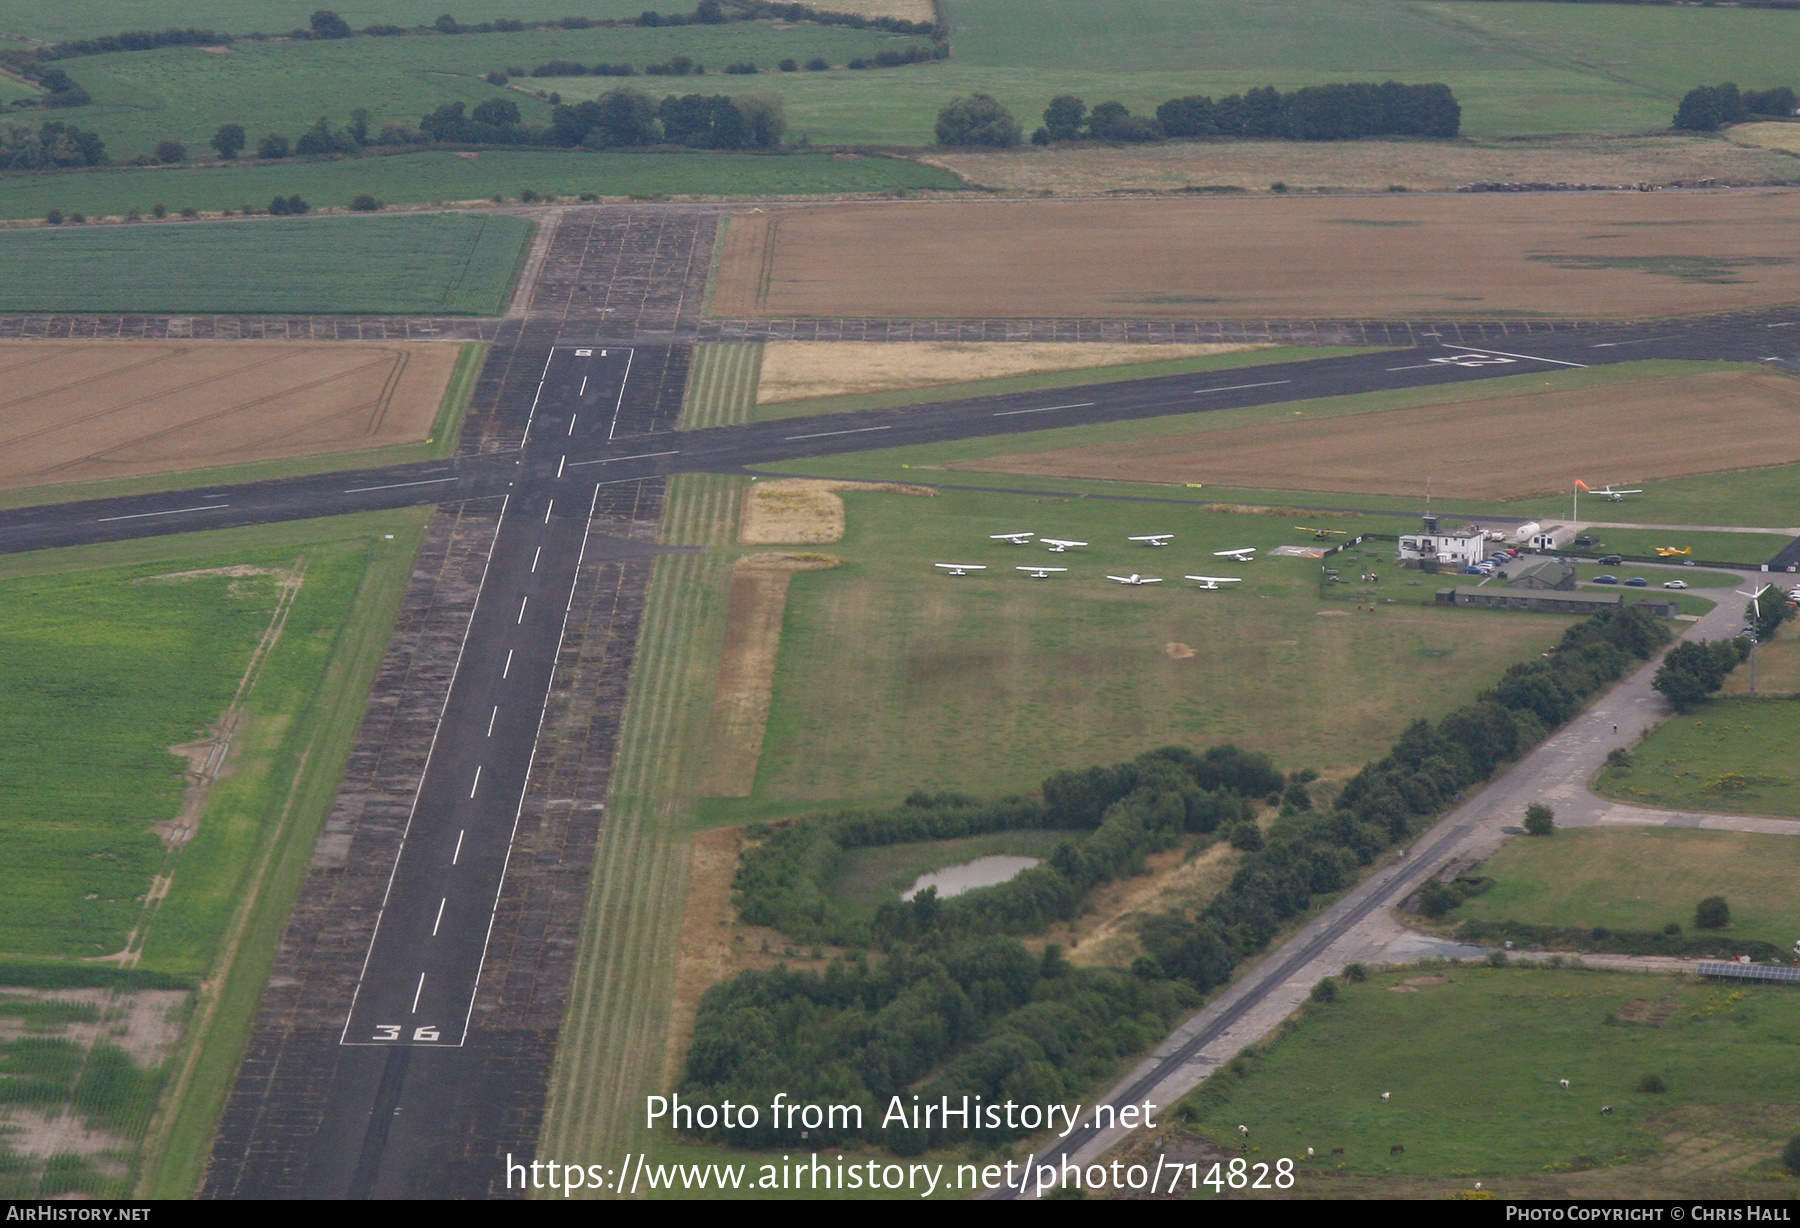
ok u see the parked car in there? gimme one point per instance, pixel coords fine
(1637, 582)
(1674, 583)
(1606, 579)
(1473, 571)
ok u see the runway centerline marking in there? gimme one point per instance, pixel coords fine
(171, 512)
(523, 601)
(507, 668)
(620, 403)
(457, 855)
(1007, 413)
(572, 418)
(548, 510)
(440, 916)
(494, 716)
(559, 466)
(477, 782)
(861, 430)
(357, 490)
(536, 557)
(417, 992)
(1235, 387)
(613, 459)
(582, 391)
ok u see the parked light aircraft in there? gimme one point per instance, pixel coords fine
(1236, 556)
(1673, 552)
(1613, 496)
(1012, 539)
(1134, 578)
(1211, 583)
(962, 569)
(1040, 573)
(1321, 534)
(1059, 544)
(1153, 539)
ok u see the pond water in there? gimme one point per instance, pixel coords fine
(982, 872)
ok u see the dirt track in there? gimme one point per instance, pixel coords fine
(1478, 449)
(1393, 256)
(74, 411)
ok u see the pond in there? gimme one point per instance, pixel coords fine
(982, 872)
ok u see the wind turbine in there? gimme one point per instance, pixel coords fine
(1755, 612)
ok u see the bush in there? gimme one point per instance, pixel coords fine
(1246, 836)
(817, 65)
(273, 145)
(1355, 973)
(364, 203)
(1497, 959)
(1325, 991)
(978, 119)
(1652, 1084)
(171, 151)
(788, 66)
(744, 68)
(1437, 898)
(1618, 757)
(1712, 913)
(1540, 820)
(54, 217)
(78, 218)
(1673, 929)
(159, 210)
(189, 212)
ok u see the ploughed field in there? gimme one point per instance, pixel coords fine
(1494, 448)
(79, 411)
(1591, 255)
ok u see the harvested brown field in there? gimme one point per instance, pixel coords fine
(78, 411)
(1374, 166)
(1585, 255)
(804, 511)
(1645, 430)
(802, 370)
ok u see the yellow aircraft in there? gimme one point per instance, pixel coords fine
(1672, 552)
(1321, 534)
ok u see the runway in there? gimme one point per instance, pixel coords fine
(380, 1116)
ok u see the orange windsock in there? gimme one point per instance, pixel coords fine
(1582, 484)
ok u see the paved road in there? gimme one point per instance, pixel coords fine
(1359, 927)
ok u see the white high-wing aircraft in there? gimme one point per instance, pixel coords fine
(1134, 578)
(961, 569)
(1059, 544)
(1153, 539)
(1012, 539)
(1236, 556)
(1211, 583)
(1040, 573)
(1612, 496)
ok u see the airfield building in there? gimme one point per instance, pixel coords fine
(1459, 549)
(1542, 574)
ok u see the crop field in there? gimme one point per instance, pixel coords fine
(440, 177)
(452, 264)
(1733, 755)
(1472, 1057)
(185, 93)
(1376, 165)
(87, 18)
(1390, 256)
(1643, 878)
(84, 411)
(1659, 428)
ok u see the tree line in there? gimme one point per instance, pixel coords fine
(1707, 108)
(51, 144)
(1338, 112)
(960, 1006)
(682, 66)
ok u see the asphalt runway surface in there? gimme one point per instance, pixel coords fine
(417, 984)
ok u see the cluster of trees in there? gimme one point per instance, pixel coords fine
(1707, 108)
(283, 206)
(50, 144)
(957, 996)
(1695, 669)
(1311, 113)
(682, 66)
(624, 118)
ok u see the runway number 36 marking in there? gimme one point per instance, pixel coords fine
(1476, 360)
(1237, 1175)
(391, 1031)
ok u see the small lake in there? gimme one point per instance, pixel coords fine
(982, 872)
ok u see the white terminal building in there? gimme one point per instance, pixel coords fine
(1458, 549)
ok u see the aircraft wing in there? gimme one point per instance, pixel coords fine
(1216, 579)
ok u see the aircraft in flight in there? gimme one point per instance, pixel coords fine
(1040, 573)
(1237, 556)
(1211, 583)
(1059, 544)
(1612, 496)
(962, 569)
(1012, 539)
(1134, 578)
(1153, 539)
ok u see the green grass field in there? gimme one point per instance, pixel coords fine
(440, 177)
(87, 18)
(1473, 1068)
(185, 93)
(1732, 754)
(451, 264)
(1642, 878)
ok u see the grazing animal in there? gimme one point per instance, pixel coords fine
(1309, 1153)
(1565, 1084)
(1478, 1185)
(1397, 1149)
(1384, 1096)
(1337, 1151)
(1606, 1108)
